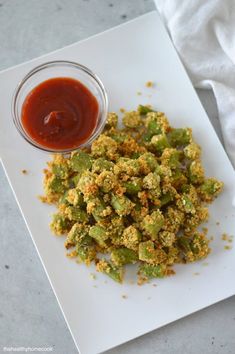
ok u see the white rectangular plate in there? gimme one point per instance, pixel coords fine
(98, 317)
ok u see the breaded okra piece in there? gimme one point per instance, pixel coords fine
(78, 235)
(97, 207)
(101, 164)
(121, 204)
(99, 234)
(192, 151)
(130, 167)
(180, 137)
(173, 219)
(80, 161)
(166, 238)
(112, 120)
(60, 167)
(75, 213)
(60, 225)
(107, 181)
(86, 253)
(159, 143)
(143, 110)
(151, 182)
(75, 197)
(192, 221)
(194, 248)
(122, 256)
(105, 147)
(152, 224)
(171, 158)
(150, 271)
(132, 120)
(188, 201)
(156, 123)
(148, 163)
(178, 178)
(113, 271)
(210, 189)
(196, 172)
(149, 254)
(166, 198)
(133, 185)
(54, 186)
(87, 184)
(116, 229)
(131, 237)
(138, 212)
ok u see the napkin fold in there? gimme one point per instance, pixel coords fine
(203, 33)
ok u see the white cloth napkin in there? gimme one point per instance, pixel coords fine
(203, 32)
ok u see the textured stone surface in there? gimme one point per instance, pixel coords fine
(29, 313)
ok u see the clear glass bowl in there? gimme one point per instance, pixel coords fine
(55, 69)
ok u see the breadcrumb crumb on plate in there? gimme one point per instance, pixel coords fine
(227, 247)
(149, 84)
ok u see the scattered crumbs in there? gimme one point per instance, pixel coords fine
(131, 282)
(211, 238)
(154, 285)
(205, 264)
(170, 272)
(218, 223)
(94, 286)
(139, 93)
(224, 237)
(92, 276)
(142, 280)
(124, 296)
(229, 239)
(196, 273)
(205, 230)
(7, 266)
(72, 254)
(122, 110)
(25, 172)
(149, 84)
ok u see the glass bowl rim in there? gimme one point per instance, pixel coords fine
(53, 63)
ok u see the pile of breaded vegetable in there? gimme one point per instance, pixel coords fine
(137, 195)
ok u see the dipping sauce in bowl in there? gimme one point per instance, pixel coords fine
(60, 113)
(60, 106)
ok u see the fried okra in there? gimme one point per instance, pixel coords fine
(137, 195)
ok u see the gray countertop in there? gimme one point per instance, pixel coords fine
(29, 313)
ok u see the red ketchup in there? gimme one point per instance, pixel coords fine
(60, 113)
